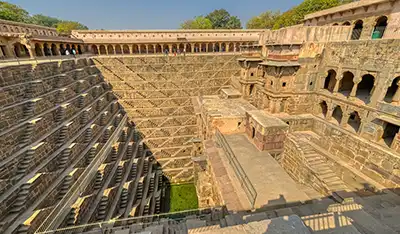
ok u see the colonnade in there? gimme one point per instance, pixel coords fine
(198, 47)
(33, 50)
(361, 87)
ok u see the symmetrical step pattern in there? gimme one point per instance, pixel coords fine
(56, 120)
(156, 93)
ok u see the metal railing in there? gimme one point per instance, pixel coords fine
(140, 223)
(240, 173)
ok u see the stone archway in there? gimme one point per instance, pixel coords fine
(365, 87)
(354, 121)
(110, 49)
(21, 51)
(337, 114)
(357, 30)
(330, 80)
(118, 49)
(380, 27)
(346, 84)
(95, 50)
(125, 49)
(323, 108)
(103, 50)
(393, 92)
(54, 49)
(38, 50)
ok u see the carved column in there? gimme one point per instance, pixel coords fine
(329, 112)
(154, 49)
(396, 96)
(139, 49)
(130, 49)
(345, 119)
(43, 51)
(354, 89)
(106, 49)
(147, 49)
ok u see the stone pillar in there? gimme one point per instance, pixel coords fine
(31, 51)
(147, 49)
(170, 48)
(329, 112)
(106, 49)
(184, 47)
(220, 47)
(206, 48)
(43, 51)
(130, 49)
(213, 47)
(154, 49)
(345, 119)
(336, 88)
(162, 48)
(139, 49)
(354, 89)
(234, 47)
(396, 96)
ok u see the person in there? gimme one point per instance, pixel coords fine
(166, 52)
(74, 53)
(67, 52)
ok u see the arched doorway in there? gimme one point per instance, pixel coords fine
(181, 47)
(223, 47)
(110, 49)
(337, 114)
(46, 49)
(54, 49)
(365, 87)
(231, 47)
(38, 50)
(21, 51)
(135, 49)
(158, 49)
(203, 47)
(354, 121)
(216, 47)
(380, 27)
(330, 80)
(143, 49)
(357, 30)
(196, 48)
(323, 108)
(210, 47)
(150, 49)
(103, 49)
(79, 49)
(62, 49)
(390, 93)
(68, 47)
(346, 84)
(188, 48)
(95, 50)
(125, 49)
(118, 49)
(174, 48)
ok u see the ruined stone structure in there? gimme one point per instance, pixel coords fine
(292, 128)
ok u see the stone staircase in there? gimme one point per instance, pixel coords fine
(318, 164)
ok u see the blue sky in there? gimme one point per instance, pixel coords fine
(146, 14)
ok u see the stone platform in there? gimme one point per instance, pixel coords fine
(273, 185)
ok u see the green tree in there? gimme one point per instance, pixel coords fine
(45, 20)
(65, 27)
(200, 22)
(222, 19)
(296, 14)
(13, 12)
(265, 20)
(233, 23)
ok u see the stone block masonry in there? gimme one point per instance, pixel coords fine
(58, 120)
(155, 92)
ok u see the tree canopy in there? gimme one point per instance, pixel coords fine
(15, 13)
(264, 20)
(293, 16)
(200, 22)
(218, 19)
(65, 27)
